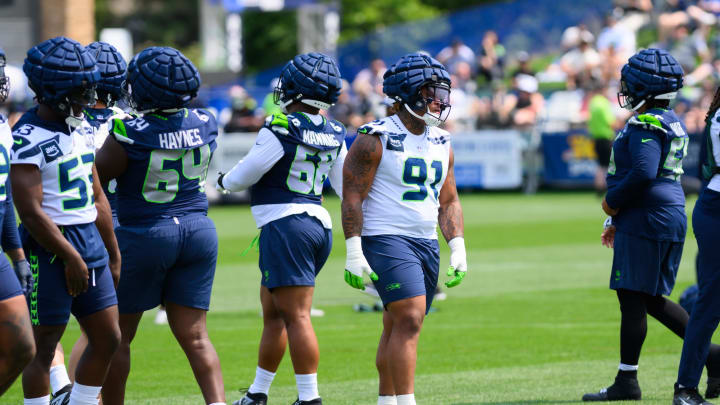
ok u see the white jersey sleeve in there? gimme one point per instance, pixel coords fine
(403, 199)
(65, 162)
(6, 143)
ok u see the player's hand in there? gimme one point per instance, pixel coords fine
(115, 266)
(24, 275)
(458, 261)
(356, 264)
(76, 276)
(608, 210)
(219, 184)
(608, 236)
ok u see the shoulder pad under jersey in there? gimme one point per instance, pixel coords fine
(277, 123)
(376, 127)
(648, 121)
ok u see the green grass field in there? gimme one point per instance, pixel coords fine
(532, 323)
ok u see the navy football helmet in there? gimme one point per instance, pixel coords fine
(649, 74)
(113, 73)
(162, 78)
(4, 80)
(405, 80)
(311, 78)
(62, 73)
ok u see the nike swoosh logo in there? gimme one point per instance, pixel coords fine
(646, 140)
(18, 142)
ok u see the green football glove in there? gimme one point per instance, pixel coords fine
(458, 261)
(356, 264)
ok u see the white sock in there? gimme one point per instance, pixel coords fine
(627, 367)
(84, 394)
(58, 378)
(37, 401)
(263, 380)
(407, 399)
(218, 403)
(307, 386)
(387, 400)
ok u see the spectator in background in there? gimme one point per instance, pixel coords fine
(368, 90)
(463, 76)
(464, 108)
(680, 12)
(633, 14)
(523, 65)
(268, 105)
(601, 126)
(524, 102)
(457, 52)
(688, 50)
(615, 39)
(579, 63)
(345, 110)
(491, 57)
(243, 117)
(494, 111)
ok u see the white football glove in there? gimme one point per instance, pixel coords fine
(458, 261)
(356, 264)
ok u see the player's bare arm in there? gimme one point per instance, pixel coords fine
(358, 174)
(28, 195)
(450, 215)
(450, 220)
(110, 160)
(359, 169)
(104, 225)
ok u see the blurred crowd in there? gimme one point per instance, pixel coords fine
(496, 88)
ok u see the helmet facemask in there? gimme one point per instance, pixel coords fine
(434, 100)
(4, 80)
(72, 104)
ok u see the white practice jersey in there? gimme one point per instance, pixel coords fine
(65, 163)
(6, 143)
(403, 199)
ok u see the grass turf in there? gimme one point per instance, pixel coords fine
(532, 323)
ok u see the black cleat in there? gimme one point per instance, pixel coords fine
(62, 397)
(688, 396)
(316, 401)
(713, 388)
(623, 389)
(252, 399)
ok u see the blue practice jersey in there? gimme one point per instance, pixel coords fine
(65, 157)
(168, 159)
(310, 151)
(644, 176)
(96, 117)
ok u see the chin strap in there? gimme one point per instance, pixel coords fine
(428, 118)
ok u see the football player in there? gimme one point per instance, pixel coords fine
(111, 90)
(647, 206)
(66, 223)
(398, 186)
(17, 346)
(295, 152)
(705, 315)
(160, 162)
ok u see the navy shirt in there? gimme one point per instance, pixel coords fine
(644, 177)
(168, 159)
(299, 175)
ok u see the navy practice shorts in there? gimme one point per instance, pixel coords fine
(172, 260)
(293, 250)
(51, 304)
(9, 284)
(406, 267)
(645, 265)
